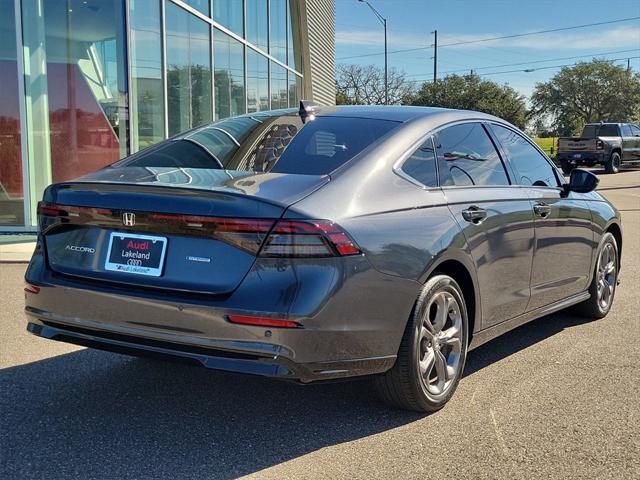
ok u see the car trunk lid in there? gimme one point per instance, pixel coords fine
(179, 229)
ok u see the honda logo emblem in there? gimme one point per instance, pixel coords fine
(128, 219)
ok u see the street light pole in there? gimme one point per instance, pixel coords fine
(382, 20)
(386, 71)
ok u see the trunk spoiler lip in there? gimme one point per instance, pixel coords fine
(186, 190)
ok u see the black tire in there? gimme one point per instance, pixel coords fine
(594, 307)
(613, 164)
(566, 168)
(405, 386)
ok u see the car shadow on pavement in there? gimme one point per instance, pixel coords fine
(519, 339)
(92, 414)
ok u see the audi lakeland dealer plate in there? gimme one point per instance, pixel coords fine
(140, 254)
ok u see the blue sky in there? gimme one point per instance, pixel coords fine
(410, 23)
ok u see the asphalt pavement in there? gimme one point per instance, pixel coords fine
(556, 398)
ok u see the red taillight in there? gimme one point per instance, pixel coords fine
(263, 321)
(245, 233)
(51, 210)
(31, 288)
(599, 144)
(267, 237)
(308, 238)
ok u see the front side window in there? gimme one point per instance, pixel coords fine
(635, 131)
(421, 165)
(466, 156)
(530, 165)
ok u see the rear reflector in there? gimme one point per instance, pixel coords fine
(263, 322)
(31, 288)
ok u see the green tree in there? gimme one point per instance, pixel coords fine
(588, 92)
(470, 92)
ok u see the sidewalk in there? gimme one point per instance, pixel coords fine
(16, 248)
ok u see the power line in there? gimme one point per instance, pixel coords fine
(481, 40)
(530, 62)
(530, 70)
(554, 66)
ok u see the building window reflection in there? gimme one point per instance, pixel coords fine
(102, 82)
(257, 82)
(147, 87)
(279, 88)
(278, 29)
(257, 23)
(229, 14)
(228, 75)
(11, 189)
(188, 70)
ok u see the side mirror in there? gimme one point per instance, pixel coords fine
(581, 181)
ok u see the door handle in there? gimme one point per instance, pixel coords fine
(542, 209)
(474, 214)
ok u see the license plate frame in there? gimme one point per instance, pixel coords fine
(135, 261)
(577, 155)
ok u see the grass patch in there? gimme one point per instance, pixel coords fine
(547, 144)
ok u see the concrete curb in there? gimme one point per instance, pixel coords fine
(16, 252)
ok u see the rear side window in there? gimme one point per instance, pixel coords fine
(421, 165)
(326, 143)
(589, 131)
(610, 130)
(467, 156)
(532, 168)
(626, 131)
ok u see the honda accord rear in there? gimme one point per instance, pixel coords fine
(193, 249)
(324, 243)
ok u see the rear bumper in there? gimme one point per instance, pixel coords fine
(352, 316)
(226, 360)
(586, 158)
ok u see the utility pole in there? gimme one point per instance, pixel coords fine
(435, 55)
(629, 65)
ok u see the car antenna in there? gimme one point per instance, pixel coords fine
(308, 110)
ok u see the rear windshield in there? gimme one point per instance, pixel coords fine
(267, 143)
(607, 130)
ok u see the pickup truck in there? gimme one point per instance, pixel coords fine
(607, 144)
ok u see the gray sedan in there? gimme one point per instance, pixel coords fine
(324, 243)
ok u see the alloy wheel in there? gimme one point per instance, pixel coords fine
(607, 269)
(440, 343)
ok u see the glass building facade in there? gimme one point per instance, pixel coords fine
(86, 82)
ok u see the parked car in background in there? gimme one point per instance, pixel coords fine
(322, 244)
(606, 144)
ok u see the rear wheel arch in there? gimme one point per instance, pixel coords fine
(461, 273)
(616, 231)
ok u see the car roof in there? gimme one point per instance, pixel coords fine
(397, 113)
